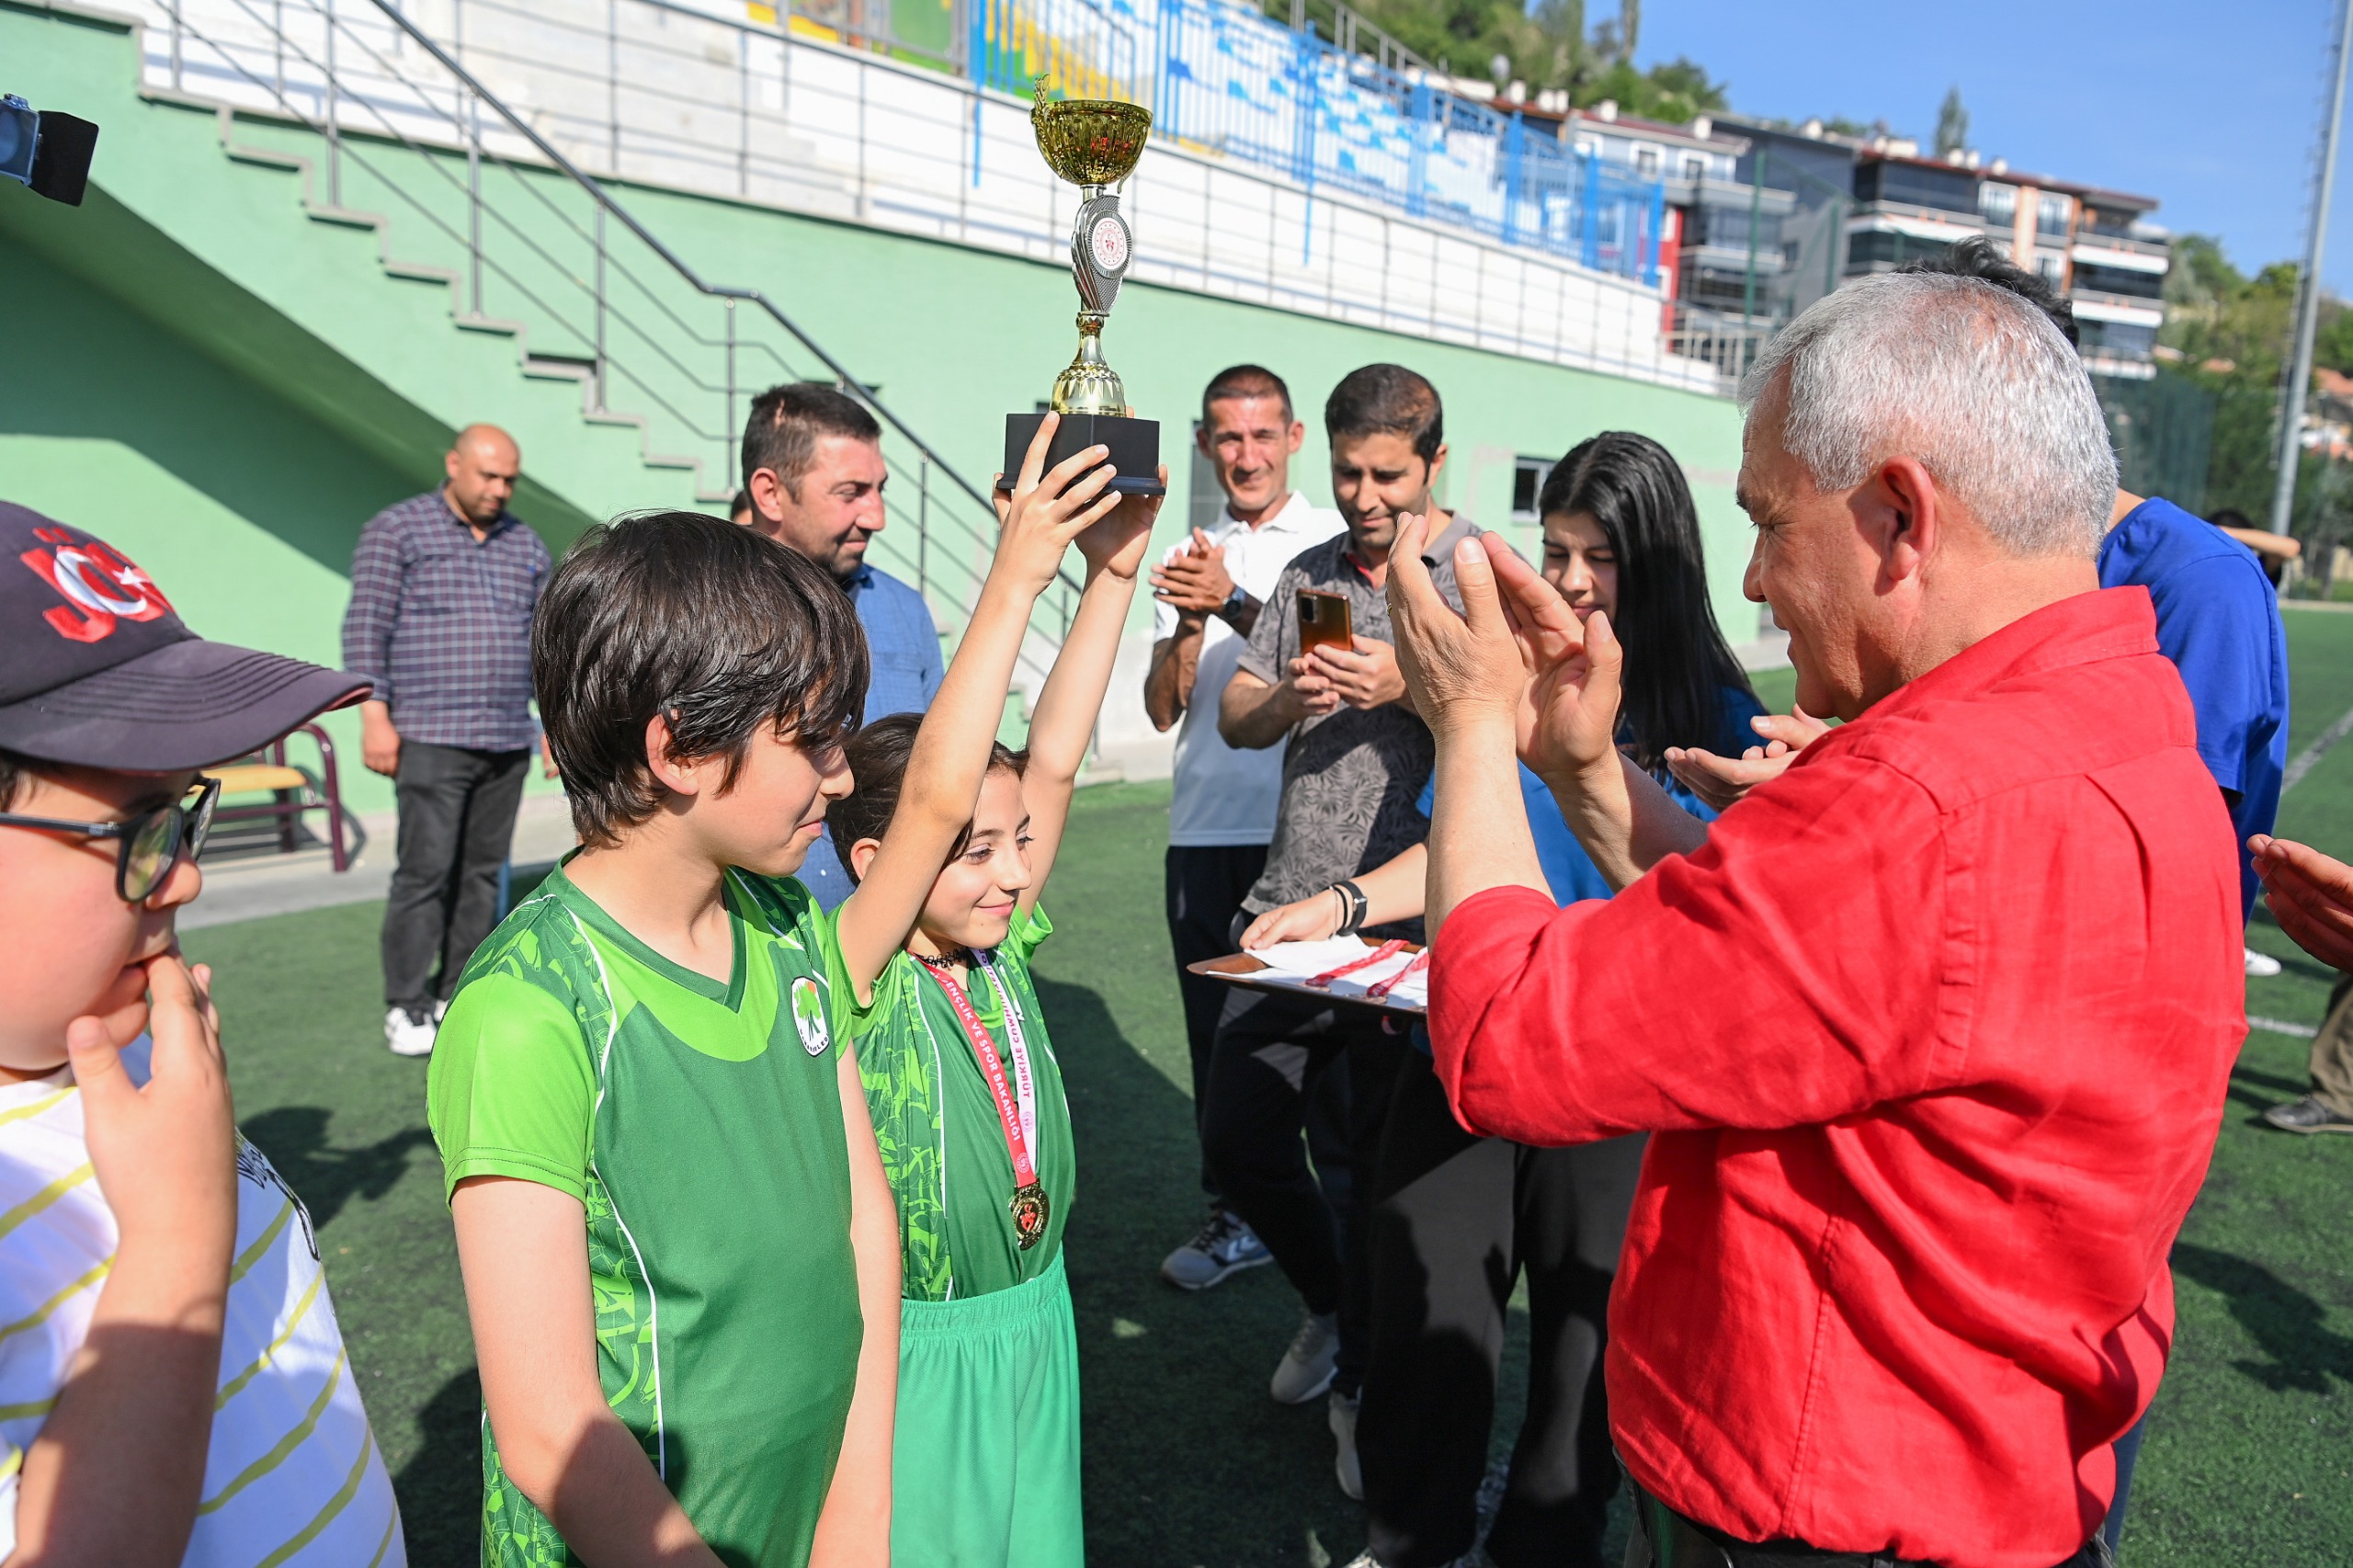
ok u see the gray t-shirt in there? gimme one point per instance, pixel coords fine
(1351, 778)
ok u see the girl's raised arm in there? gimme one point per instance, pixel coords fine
(952, 749)
(1072, 696)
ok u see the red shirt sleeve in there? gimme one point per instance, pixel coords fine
(1785, 974)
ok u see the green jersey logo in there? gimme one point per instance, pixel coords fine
(809, 1016)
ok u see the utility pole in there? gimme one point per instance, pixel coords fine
(2291, 416)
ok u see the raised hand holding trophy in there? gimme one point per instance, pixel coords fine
(1094, 144)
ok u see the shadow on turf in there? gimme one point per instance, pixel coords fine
(295, 1139)
(440, 1489)
(2285, 1324)
(1187, 1459)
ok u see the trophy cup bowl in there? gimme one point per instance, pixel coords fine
(1094, 144)
(1091, 140)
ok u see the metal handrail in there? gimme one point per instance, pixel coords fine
(629, 220)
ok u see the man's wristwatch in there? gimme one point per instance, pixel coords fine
(1236, 602)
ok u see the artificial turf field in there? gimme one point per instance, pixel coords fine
(2249, 1457)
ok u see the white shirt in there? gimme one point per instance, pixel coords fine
(1223, 796)
(293, 1476)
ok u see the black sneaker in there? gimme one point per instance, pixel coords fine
(2307, 1115)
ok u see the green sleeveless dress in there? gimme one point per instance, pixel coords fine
(984, 1469)
(700, 1124)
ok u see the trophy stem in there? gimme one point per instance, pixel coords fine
(1089, 384)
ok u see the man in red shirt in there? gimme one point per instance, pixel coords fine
(1932, 1032)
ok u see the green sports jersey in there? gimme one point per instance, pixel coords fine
(700, 1124)
(937, 1122)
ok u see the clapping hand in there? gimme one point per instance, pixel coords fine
(1514, 656)
(1195, 581)
(1722, 781)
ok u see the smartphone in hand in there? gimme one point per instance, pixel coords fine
(1324, 623)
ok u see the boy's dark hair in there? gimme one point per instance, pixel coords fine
(787, 422)
(2230, 518)
(1678, 667)
(13, 769)
(688, 616)
(1387, 400)
(878, 766)
(1245, 381)
(1979, 257)
(739, 505)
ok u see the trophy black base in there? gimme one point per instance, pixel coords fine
(1135, 443)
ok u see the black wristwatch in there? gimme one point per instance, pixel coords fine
(1236, 602)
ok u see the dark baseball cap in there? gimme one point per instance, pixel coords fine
(96, 668)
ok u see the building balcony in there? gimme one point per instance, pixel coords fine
(2103, 248)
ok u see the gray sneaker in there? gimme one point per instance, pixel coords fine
(1307, 1366)
(1344, 1434)
(2307, 1115)
(1224, 1247)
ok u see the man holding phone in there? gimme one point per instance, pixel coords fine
(1356, 757)
(1210, 588)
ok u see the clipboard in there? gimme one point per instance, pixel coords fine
(1253, 974)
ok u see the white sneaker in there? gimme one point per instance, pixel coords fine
(407, 1033)
(2263, 966)
(440, 1009)
(1307, 1366)
(1224, 1247)
(1344, 1433)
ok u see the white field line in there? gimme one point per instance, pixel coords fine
(2306, 759)
(2282, 1025)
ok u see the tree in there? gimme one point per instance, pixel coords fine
(1952, 124)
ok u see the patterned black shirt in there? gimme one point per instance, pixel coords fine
(441, 622)
(1351, 777)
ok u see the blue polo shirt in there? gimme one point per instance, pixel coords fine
(902, 654)
(2218, 620)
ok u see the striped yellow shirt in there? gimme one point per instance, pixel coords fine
(293, 1479)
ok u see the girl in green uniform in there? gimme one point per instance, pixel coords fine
(950, 837)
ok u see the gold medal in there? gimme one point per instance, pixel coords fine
(1030, 1210)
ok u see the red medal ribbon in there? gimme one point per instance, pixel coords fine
(1029, 1207)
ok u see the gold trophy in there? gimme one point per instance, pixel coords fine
(1094, 144)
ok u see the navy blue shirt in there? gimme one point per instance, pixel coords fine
(902, 655)
(2218, 620)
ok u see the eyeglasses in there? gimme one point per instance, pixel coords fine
(151, 843)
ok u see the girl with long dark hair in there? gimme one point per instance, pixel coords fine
(1458, 1218)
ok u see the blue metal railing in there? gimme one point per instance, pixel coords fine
(1221, 77)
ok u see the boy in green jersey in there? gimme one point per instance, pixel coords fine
(679, 1249)
(949, 836)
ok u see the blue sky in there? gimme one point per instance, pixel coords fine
(2211, 109)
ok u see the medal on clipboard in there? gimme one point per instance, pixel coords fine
(1015, 1097)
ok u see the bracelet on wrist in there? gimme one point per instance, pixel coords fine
(1354, 907)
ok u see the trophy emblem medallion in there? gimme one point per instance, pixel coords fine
(1094, 144)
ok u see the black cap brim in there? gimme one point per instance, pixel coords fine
(188, 704)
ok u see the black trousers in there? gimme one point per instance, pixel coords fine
(457, 820)
(1270, 1059)
(1205, 886)
(1456, 1220)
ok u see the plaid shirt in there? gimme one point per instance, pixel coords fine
(441, 622)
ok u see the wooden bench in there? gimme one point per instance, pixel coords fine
(292, 791)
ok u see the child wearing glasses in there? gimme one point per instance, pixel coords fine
(680, 1259)
(950, 838)
(171, 1381)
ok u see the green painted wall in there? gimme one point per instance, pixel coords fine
(251, 383)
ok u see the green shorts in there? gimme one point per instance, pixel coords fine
(984, 1462)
